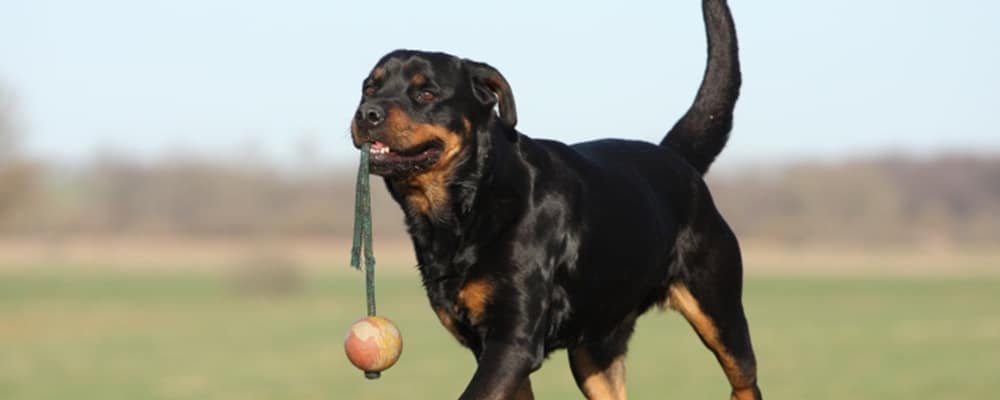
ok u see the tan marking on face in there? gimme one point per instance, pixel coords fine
(427, 190)
(474, 296)
(418, 79)
(354, 131)
(398, 123)
(524, 392)
(433, 182)
(597, 383)
(681, 299)
(378, 73)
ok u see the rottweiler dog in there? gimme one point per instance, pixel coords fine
(526, 246)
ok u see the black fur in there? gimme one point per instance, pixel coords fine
(568, 244)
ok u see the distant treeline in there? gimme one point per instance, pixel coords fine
(948, 199)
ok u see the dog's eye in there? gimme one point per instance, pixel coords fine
(426, 96)
(369, 90)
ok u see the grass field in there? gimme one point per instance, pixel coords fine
(66, 334)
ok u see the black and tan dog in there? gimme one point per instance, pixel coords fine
(526, 246)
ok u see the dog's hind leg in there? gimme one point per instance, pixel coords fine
(598, 376)
(598, 365)
(709, 297)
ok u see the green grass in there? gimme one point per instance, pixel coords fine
(107, 335)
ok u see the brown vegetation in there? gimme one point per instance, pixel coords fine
(944, 201)
(17, 176)
(948, 201)
(886, 215)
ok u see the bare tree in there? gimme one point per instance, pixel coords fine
(6, 126)
(16, 175)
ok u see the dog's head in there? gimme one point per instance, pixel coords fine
(421, 110)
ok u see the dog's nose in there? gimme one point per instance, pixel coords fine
(372, 114)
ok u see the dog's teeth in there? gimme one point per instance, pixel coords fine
(380, 150)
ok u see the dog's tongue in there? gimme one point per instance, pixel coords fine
(378, 145)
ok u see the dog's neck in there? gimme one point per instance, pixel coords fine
(484, 194)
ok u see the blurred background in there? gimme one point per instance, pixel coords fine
(176, 191)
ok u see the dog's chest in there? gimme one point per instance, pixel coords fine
(461, 306)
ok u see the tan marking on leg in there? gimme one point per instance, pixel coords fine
(743, 382)
(596, 383)
(378, 73)
(524, 392)
(744, 394)
(474, 296)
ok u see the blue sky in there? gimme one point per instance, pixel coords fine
(214, 78)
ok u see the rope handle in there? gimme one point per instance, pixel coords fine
(362, 245)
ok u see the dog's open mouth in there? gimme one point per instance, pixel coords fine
(386, 161)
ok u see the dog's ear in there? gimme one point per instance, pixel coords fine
(490, 88)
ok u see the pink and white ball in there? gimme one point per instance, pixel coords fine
(373, 344)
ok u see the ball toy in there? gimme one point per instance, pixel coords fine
(373, 344)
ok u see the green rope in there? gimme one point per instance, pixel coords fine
(363, 235)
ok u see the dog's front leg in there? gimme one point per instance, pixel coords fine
(511, 317)
(503, 367)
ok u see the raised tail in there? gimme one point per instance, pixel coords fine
(702, 132)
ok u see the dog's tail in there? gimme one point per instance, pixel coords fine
(701, 133)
